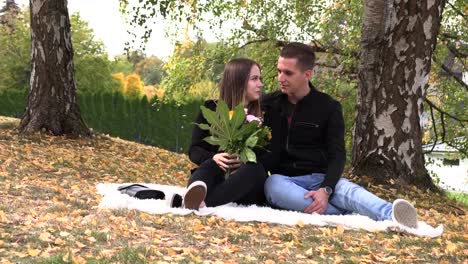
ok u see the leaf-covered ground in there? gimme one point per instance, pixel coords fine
(49, 214)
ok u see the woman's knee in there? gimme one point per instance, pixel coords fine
(253, 171)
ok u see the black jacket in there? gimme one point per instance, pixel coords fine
(200, 150)
(314, 142)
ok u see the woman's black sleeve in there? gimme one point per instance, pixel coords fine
(199, 149)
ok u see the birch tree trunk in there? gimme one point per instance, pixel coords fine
(52, 104)
(398, 39)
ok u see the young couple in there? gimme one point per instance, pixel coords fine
(305, 157)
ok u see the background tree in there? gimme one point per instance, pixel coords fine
(445, 109)
(93, 69)
(121, 64)
(189, 66)
(397, 43)
(52, 102)
(119, 77)
(151, 70)
(15, 46)
(135, 56)
(133, 86)
(8, 13)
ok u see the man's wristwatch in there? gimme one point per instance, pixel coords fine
(328, 190)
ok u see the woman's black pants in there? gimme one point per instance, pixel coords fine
(244, 186)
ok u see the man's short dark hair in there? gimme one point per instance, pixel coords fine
(304, 54)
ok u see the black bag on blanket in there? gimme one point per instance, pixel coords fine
(141, 192)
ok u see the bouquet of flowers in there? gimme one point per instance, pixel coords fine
(235, 132)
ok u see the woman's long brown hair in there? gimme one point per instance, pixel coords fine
(233, 85)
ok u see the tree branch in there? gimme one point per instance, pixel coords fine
(446, 35)
(279, 43)
(443, 125)
(435, 130)
(314, 44)
(452, 74)
(442, 120)
(460, 13)
(431, 104)
(454, 50)
(457, 148)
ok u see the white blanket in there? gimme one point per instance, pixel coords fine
(113, 199)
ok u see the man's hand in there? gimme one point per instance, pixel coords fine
(320, 203)
(226, 161)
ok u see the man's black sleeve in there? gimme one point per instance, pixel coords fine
(335, 147)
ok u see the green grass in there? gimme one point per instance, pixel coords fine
(460, 197)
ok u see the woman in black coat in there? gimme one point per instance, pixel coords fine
(241, 84)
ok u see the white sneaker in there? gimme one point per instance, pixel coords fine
(195, 195)
(404, 213)
(175, 201)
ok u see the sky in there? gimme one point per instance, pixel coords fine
(109, 26)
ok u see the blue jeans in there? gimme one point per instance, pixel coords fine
(288, 193)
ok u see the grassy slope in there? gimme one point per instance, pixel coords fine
(49, 214)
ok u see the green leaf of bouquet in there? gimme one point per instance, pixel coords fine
(250, 155)
(238, 118)
(210, 116)
(251, 141)
(204, 126)
(245, 129)
(243, 155)
(223, 112)
(218, 132)
(214, 140)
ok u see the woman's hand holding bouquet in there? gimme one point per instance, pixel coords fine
(236, 134)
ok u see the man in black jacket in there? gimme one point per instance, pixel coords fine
(310, 144)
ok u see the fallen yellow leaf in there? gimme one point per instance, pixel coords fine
(171, 252)
(339, 229)
(3, 217)
(34, 252)
(451, 247)
(45, 237)
(59, 241)
(300, 223)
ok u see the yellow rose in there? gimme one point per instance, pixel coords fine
(231, 113)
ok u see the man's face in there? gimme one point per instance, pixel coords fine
(291, 77)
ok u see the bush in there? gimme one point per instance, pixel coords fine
(164, 124)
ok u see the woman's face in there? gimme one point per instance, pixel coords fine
(254, 85)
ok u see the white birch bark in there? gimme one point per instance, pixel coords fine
(398, 39)
(52, 102)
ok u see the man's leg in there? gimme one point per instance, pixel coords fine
(352, 197)
(288, 192)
